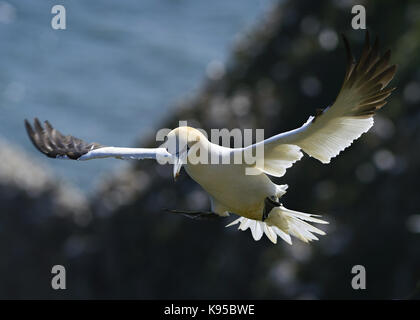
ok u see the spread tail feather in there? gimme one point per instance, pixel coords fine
(282, 222)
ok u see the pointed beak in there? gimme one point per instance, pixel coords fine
(177, 167)
(180, 159)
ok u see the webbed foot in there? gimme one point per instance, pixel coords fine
(196, 214)
(269, 204)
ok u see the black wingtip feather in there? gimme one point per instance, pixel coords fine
(369, 77)
(31, 135)
(350, 57)
(53, 144)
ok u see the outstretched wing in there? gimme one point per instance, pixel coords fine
(53, 144)
(332, 130)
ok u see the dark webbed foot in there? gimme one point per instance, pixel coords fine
(196, 214)
(269, 204)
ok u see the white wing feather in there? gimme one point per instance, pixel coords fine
(127, 153)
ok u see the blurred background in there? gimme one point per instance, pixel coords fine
(116, 71)
(123, 70)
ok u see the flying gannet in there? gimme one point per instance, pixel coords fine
(255, 198)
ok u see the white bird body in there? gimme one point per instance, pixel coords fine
(254, 197)
(231, 189)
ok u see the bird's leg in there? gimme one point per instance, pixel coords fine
(269, 204)
(196, 214)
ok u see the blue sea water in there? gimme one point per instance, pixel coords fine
(114, 74)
